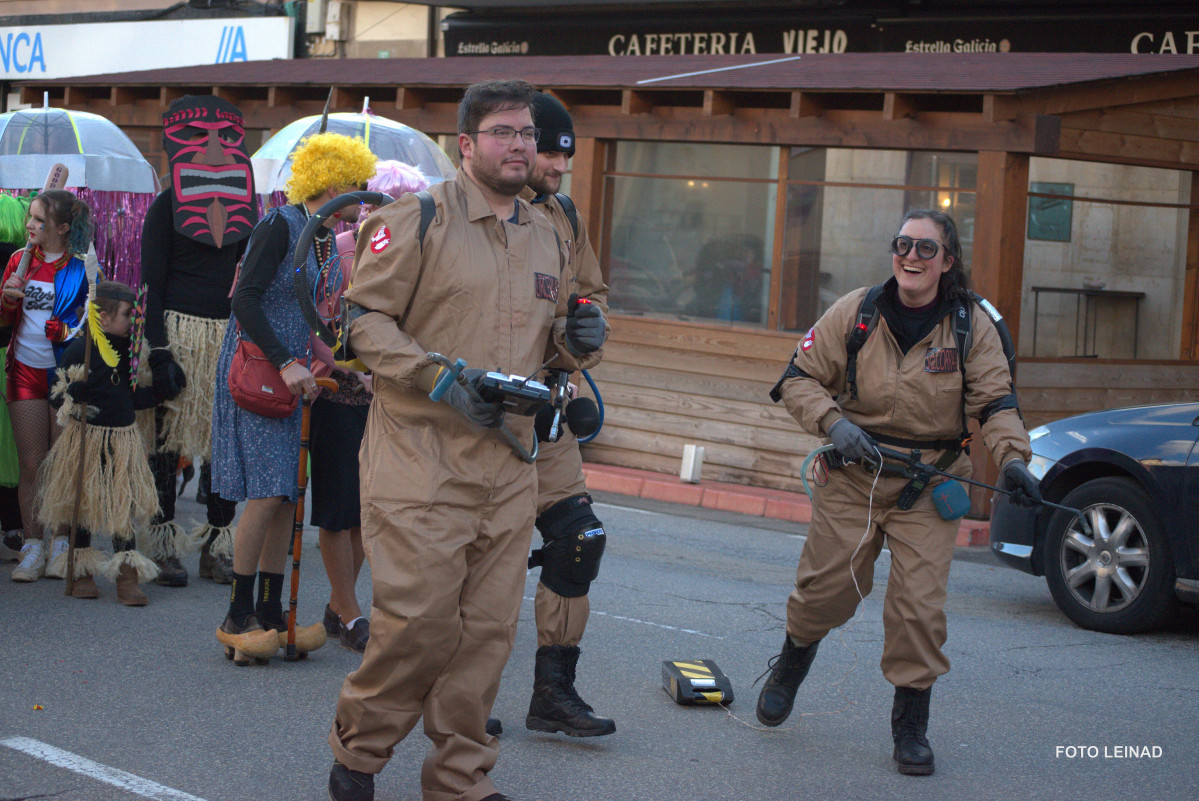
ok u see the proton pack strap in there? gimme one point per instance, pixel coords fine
(964, 336)
(916, 444)
(428, 210)
(1008, 401)
(572, 213)
(862, 327)
(776, 393)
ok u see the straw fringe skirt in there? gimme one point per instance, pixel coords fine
(195, 343)
(118, 488)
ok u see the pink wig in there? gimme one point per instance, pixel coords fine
(396, 178)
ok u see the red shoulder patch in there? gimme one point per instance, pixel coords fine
(808, 340)
(380, 239)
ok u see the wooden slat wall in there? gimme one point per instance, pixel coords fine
(1050, 390)
(667, 384)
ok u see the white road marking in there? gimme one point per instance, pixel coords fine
(649, 623)
(95, 770)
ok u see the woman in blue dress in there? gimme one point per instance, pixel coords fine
(254, 458)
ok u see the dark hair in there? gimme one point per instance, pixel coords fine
(489, 97)
(954, 283)
(64, 207)
(111, 294)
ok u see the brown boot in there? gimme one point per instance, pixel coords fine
(128, 592)
(84, 587)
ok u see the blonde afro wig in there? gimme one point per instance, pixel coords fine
(325, 160)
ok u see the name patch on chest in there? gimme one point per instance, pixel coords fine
(545, 287)
(941, 360)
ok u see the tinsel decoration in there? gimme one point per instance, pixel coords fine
(117, 217)
(136, 334)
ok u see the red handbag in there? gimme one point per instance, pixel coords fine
(256, 385)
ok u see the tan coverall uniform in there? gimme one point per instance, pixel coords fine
(447, 506)
(899, 398)
(560, 620)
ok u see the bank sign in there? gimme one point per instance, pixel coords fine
(798, 33)
(63, 51)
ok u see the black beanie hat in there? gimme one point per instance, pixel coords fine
(557, 128)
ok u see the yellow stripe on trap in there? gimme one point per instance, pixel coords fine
(696, 681)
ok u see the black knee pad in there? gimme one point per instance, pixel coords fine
(574, 543)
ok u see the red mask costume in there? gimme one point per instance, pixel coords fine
(213, 183)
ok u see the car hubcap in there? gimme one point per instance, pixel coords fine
(1106, 572)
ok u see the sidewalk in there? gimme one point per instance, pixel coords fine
(778, 504)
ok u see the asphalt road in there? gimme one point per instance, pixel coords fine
(140, 703)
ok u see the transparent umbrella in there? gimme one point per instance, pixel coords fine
(98, 154)
(386, 138)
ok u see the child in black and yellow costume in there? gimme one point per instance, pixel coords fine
(118, 496)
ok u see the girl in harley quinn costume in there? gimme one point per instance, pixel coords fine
(41, 312)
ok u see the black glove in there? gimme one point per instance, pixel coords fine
(1024, 488)
(586, 328)
(168, 376)
(851, 441)
(476, 410)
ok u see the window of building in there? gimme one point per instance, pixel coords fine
(692, 230)
(693, 226)
(1112, 287)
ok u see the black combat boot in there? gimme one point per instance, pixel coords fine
(787, 671)
(555, 705)
(909, 727)
(350, 785)
(494, 727)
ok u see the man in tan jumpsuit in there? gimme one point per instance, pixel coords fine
(447, 506)
(564, 516)
(909, 394)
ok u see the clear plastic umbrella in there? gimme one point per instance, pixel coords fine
(386, 138)
(98, 154)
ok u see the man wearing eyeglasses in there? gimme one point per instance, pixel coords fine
(447, 506)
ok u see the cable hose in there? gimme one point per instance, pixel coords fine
(599, 402)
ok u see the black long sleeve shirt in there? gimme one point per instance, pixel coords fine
(268, 250)
(108, 388)
(181, 274)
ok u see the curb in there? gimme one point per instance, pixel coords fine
(776, 504)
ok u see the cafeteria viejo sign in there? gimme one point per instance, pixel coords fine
(591, 35)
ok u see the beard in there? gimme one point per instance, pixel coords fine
(491, 175)
(543, 183)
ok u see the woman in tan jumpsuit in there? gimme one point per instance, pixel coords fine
(911, 393)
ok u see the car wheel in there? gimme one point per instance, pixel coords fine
(1119, 576)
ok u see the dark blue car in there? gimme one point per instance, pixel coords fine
(1134, 473)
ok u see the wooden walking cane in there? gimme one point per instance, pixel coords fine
(297, 527)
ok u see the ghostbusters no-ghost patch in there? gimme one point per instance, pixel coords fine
(380, 239)
(808, 341)
(545, 287)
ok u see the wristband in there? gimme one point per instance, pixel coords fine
(287, 364)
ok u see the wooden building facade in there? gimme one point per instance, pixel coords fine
(731, 198)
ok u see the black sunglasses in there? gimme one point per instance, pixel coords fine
(925, 248)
